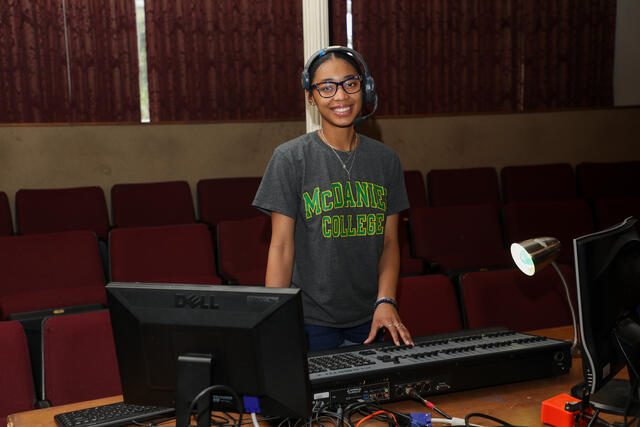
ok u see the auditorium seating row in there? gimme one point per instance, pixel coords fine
(79, 361)
(168, 203)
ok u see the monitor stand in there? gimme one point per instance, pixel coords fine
(614, 397)
(194, 375)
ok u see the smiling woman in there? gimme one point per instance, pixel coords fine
(334, 198)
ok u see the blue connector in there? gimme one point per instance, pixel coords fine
(420, 419)
(251, 404)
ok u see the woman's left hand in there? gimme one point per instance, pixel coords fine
(386, 316)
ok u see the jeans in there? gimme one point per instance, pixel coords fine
(324, 337)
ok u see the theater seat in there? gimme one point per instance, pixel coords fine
(459, 238)
(169, 254)
(152, 204)
(16, 381)
(6, 225)
(428, 304)
(553, 181)
(464, 186)
(44, 271)
(62, 209)
(79, 358)
(514, 300)
(243, 248)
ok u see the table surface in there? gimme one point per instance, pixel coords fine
(518, 403)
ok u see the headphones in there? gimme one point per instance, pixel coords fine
(369, 89)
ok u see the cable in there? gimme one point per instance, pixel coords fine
(377, 413)
(239, 404)
(489, 417)
(412, 392)
(254, 419)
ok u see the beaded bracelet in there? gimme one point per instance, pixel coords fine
(385, 300)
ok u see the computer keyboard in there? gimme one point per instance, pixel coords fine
(115, 414)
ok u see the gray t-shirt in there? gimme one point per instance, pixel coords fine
(339, 223)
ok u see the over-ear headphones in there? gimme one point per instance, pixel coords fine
(369, 86)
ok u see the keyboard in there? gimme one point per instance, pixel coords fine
(115, 414)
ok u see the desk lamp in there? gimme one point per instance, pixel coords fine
(533, 255)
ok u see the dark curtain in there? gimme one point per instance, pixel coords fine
(461, 56)
(102, 54)
(33, 68)
(103, 51)
(568, 53)
(224, 59)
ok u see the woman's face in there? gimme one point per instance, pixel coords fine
(342, 108)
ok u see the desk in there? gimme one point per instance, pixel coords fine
(518, 403)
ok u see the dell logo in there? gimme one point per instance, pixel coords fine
(195, 301)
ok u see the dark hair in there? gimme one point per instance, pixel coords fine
(331, 55)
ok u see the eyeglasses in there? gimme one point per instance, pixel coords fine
(329, 89)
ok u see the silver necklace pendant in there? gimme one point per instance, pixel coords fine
(351, 157)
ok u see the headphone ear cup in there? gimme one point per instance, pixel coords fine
(306, 84)
(369, 90)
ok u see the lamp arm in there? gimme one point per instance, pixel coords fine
(573, 313)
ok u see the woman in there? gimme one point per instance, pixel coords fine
(334, 198)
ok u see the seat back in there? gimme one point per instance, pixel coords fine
(64, 209)
(16, 381)
(554, 181)
(613, 211)
(599, 180)
(455, 229)
(79, 358)
(243, 248)
(428, 304)
(225, 199)
(51, 270)
(6, 225)
(563, 219)
(512, 299)
(464, 186)
(174, 254)
(152, 204)
(416, 189)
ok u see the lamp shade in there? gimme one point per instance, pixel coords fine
(533, 255)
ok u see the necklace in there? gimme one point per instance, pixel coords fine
(350, 158)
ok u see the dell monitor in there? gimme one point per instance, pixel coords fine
(174, 340)
(608, 279)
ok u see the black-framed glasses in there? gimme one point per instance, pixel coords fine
(328, 89)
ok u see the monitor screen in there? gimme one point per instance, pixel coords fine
(607, 275)
(255, 336)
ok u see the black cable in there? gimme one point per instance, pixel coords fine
(488, 417)
(239, 404)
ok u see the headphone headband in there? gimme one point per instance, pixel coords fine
(369, 94)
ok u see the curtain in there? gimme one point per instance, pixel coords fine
(33, 68)
(462, 56)
(568, 53)
(102, 54)
(224, 59)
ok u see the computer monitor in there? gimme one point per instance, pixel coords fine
(252, 339)
(608, 280)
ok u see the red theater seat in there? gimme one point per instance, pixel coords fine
(243, 248)
(459, 238)
(512, 299)
(562, 219)
(44, 271)
(16, 381)
(6, 225)
(152, 204)
(64, 209)
(227, 199)
(169, 254)
(79, 358)
(554, 181)
(428, 305)
(467, 186)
